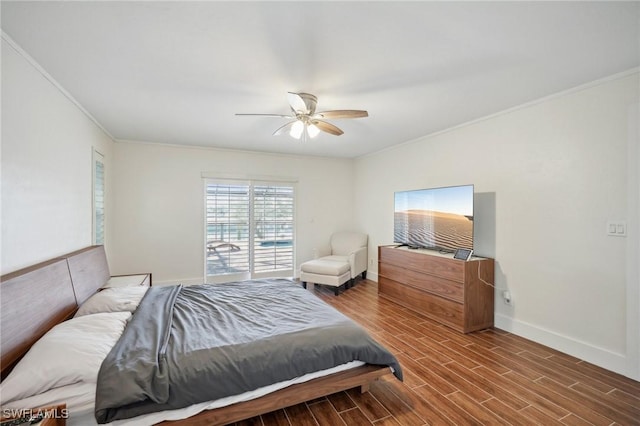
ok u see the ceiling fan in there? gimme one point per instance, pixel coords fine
(306, 121)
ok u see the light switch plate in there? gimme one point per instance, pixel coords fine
(617, 228)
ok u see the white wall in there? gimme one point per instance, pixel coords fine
(548, 177)
(159, 204)
(47, 144)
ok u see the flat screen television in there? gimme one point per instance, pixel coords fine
(435, 218)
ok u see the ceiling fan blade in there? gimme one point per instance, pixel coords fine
(327, 127)
(284, 129)
(297, 104)
(302, 103)
(269, 115)
(342, 113)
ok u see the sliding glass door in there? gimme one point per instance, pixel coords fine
(249, 229)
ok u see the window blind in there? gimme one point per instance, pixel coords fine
(273, 236)
(98, 199)
(228, 223)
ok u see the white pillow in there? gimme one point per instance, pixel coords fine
(79, 398)
(121, 299)
(71, 352)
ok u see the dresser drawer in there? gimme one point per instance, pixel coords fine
(438, 266)
(442, 310)
(449, 289)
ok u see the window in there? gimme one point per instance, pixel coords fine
(98, 198)
(249, 229)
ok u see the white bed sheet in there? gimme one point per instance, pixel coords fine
(80, 400)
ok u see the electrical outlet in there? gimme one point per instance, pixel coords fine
(371, 262)
(506, 296)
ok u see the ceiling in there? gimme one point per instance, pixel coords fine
(177, 72)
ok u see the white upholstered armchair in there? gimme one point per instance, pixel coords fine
(346, 260)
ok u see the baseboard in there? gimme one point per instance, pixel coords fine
(372, 275)
(601, 357)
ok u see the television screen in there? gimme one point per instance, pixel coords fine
(436, 218)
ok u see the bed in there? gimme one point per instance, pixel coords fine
(50, 293)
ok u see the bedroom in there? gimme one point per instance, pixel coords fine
(574, 288)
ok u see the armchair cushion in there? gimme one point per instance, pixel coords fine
(333, 257)
(325, 266)
(345, 243)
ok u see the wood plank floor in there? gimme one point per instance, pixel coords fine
(488, 377)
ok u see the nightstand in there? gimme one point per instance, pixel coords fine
(133, 280)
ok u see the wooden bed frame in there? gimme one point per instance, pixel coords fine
(35, 299)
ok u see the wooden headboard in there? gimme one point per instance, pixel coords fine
(89, 271)
(34, 299)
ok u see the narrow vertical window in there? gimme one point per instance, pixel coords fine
(98, 198)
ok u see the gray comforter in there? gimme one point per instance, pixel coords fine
(186, 345)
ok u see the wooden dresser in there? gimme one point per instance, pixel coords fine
(456, 293)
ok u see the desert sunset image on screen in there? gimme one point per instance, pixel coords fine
(440, 218)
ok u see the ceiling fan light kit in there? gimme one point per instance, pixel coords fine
(297, 128)
(307, 123)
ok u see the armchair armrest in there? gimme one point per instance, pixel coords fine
(358, 261)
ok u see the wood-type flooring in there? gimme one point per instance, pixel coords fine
(488, 377)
